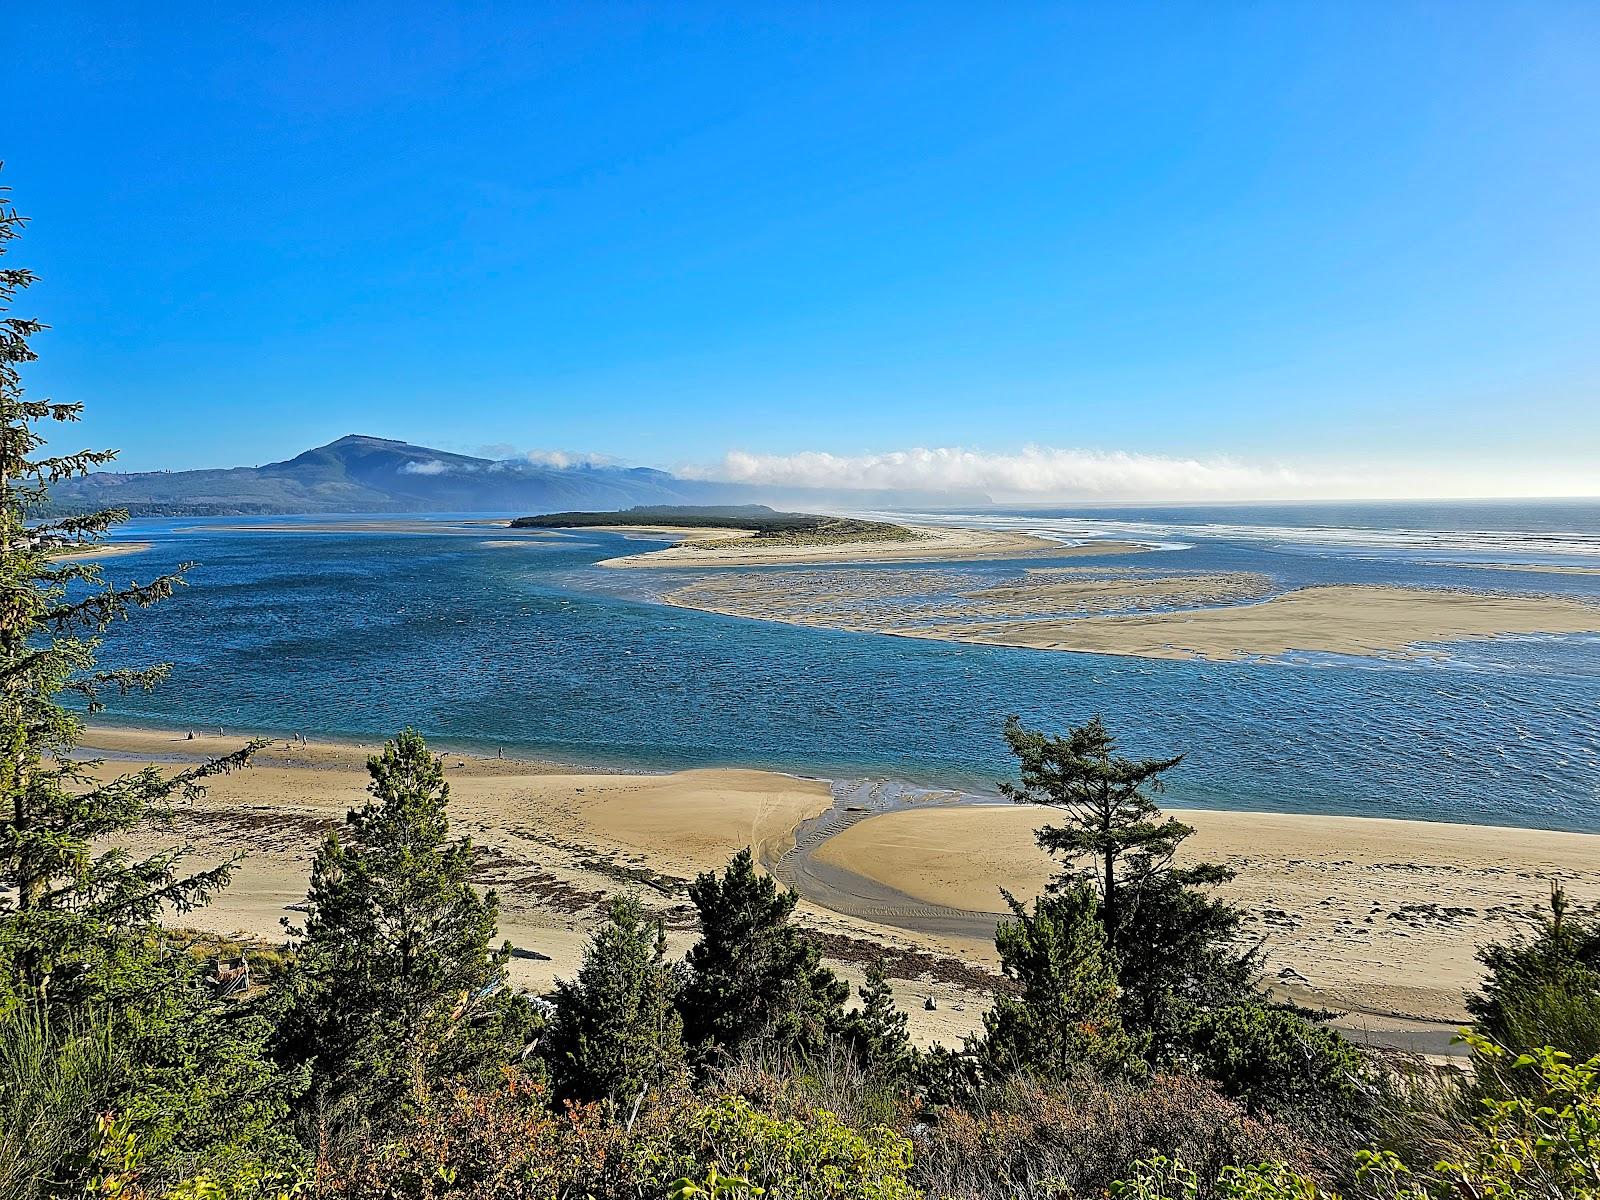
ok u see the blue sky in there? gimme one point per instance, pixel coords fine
(1220, 249)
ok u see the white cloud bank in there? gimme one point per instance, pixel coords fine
(1036, 473)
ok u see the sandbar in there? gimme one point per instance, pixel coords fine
(102, 550)
(1355, 619)
(930, 544)
(921, 600)
(1367, 913)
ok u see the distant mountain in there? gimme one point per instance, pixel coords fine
(361, 474)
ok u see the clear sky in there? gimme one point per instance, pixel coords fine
(1227, 249)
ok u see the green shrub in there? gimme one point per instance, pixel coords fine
(1274, 1058)
(1544, 989)
(813, 1158)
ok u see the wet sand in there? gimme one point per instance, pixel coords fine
(947, 601)
(1217, 617)
(1365, 620)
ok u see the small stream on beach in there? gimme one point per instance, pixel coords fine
(489, 642)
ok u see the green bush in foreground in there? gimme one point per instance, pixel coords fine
(1543, 1143)
(616, 1031)
(1543, 989)
(818, 1158)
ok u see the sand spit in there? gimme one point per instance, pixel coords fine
(1365, 913)
(103, 550)
(931, 544)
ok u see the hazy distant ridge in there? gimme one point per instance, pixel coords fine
(359, 473)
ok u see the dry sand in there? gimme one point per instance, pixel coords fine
(931, 544)
(103, 550)
(1366, 913)
(1337, 619)
(1376, 915)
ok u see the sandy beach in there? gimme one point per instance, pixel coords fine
(1378, 916)
(1357, 912)
(930, 544)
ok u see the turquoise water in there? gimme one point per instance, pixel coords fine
(531, 648)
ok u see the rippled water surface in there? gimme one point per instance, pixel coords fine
(529, 646)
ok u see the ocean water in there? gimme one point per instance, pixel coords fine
(483, 641)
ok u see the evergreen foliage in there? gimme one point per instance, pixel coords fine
(616, 1030)
(1544, 989)
(60, 895)
(80, 941)
(1111, 819)
(752, 975)
(876, 1031)
(1178, 949)
(1064, 1017)
(1274, 1058)
(396, 987)
(1177, 946)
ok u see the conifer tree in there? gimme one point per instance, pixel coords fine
(60, 898)
(616, 1030)
(1111, 819)
(1544, 989)
(81, 945)
(1064, 1016)
(395, 986)
(1176, 945)
(753, 975)
(876, 1032)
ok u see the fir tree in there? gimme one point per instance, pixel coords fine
(395, 986)
(1176, 946)
(753, 975)
(1544, 989)
(60, 898)
(81, 944)
(616, 1030)
(1111, 819)
(876, 1032)
(1064, 1016)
